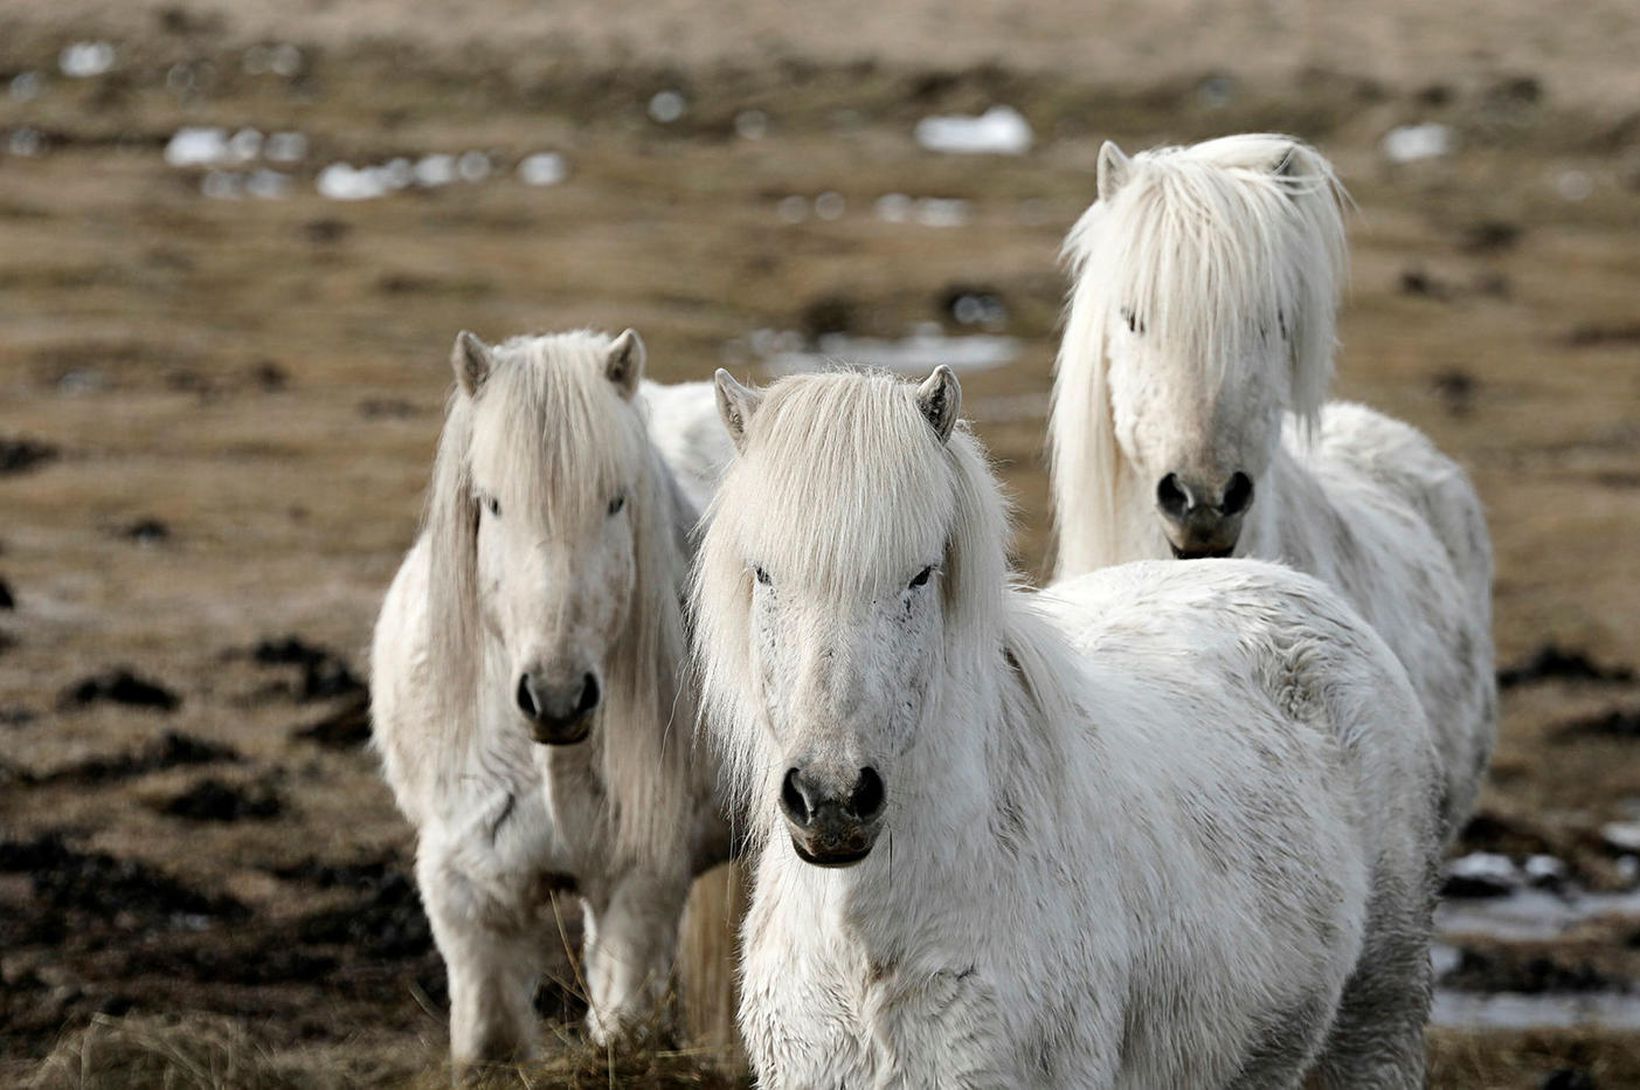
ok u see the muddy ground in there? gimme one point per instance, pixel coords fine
(217, 413)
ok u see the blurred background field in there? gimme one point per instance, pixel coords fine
(236, 241)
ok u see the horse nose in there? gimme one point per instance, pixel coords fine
(807, 802)
(1203, 521)
(1182, 501)
(558, 714)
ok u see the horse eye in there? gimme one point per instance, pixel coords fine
(493, 504)
(922, 577)
(762, 576)
(1132, 321)
(617, 503)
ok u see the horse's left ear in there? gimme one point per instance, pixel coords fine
(939, 398)
(624, 367)
(736, 404)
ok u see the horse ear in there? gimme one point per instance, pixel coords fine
(471, 360)
(624, 367)
(938, 399)
(1114, 168)
(736, 404)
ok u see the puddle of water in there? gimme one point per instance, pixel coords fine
(1514, 1011)
(919, 353)
(1528, 914)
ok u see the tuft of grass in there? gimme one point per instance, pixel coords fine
(207, 1052)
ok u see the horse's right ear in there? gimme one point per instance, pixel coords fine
(1114, 168)
(939, 399)
(736, 404)
(471, 360)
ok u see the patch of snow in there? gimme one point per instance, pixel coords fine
(26, 86)
(196, 147)
(341, 182)
(1001, 130)
(543, 168)
(473, 166)
(82, 60)
(435, 170)
(1411, 143)
(667, 106)
(25, 143)
(285, 147)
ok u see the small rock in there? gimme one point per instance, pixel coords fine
(1490, 235)
(348, 727)
(146, 531)
(22, 455)
(214, 800)
(1420, 282)
(1456, 389)
(121, 686)
(1553, 661)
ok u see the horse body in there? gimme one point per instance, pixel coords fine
(622, 816)
(1082, 878)
(1189, 420)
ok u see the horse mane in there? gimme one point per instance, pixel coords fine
(859, 434)
(563, 440)
(1208, 246)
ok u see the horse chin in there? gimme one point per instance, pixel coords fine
(1202, 553)
(831, 860)
(562, 734)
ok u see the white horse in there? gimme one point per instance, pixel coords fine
(1169, 826)
(529, 690)
(1188, 418)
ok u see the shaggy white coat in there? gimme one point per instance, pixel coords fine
(1169, 825)
(527, 561)
(1200, 341)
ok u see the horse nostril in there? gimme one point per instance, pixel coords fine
(1238, 494)
(589, 695)
(867, 799)
(1171, 496)
(526, 699)
(794, 801)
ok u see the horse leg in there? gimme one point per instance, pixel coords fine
(631, 940)
(1287, 1048)
(1377, 1040)
(492, 963)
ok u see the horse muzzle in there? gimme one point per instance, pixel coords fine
(832, 828)
(561, 732)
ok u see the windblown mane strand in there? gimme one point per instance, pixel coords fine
(557, 438)
(1207, 248)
